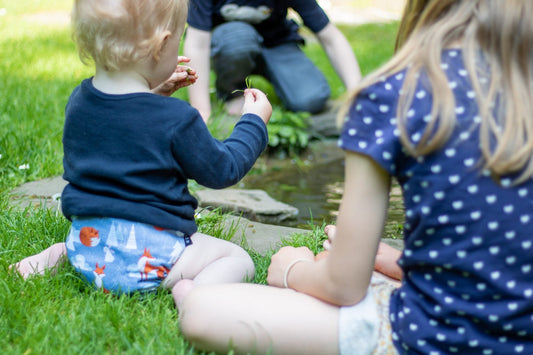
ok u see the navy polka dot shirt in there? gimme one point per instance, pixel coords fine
(468, 256)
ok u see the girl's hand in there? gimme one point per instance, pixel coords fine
(255, 101)
(282, 260)
(181, 77)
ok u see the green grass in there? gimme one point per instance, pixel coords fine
(59, 314)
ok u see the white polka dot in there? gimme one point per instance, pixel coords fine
(444, 66)
(506, 182)
(452, 85)
(528, 293)
(495, 275)
(359, 107)
(399, 76)
(471, 94)
(469, 162)
(416, 137)
(447, 241)
(478, 265)
(367, 120)
(472, 189)
(425, 210)
(511, 284)
(461, 254)
(372, 96)
(481, 286)
(459, 110)
(411, 113)
(433, 254)
(450, 152)
(494, 250)
(457, 205)
(477, 240)
(352, 132)
(491, 199)
(453, 54)
(493, 225)
(510, 235)
(475, 215)
(378, 133)
(473, 343)
(463, 72)
(526, 244)
(454, 179)
(443, 219)
(362, 144)
(519, 348)
(439, 195)
(388, 86)
(508, 209)
(510, 260)
(421, 94)
(413, 327)
(436, 169)
(464, 136)
(526, 269)
(524, 219)
(383, 108)
(522, 192)
(441, 337)
(493, 318)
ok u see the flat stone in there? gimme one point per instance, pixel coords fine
(256, 205)
(259, 237)
(40, 193)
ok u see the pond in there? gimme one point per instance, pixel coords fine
(316, 191)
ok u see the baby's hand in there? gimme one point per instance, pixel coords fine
(255, 101)
(181, 77)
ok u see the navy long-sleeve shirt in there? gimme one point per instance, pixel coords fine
(130, 156)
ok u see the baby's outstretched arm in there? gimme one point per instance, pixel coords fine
(181, 77)
(48, 259)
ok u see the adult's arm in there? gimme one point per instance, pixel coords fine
(197, 47)
(340, 55)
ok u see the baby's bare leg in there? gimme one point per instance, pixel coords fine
(208, 260)
(37, 264)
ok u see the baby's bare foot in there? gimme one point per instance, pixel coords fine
(37, 264)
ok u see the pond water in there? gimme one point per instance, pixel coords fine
(316, 192)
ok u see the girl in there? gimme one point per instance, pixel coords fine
(450, 118)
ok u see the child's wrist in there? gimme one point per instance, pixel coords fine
(288, 269)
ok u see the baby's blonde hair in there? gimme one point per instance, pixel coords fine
(503, 32)
(116, 34)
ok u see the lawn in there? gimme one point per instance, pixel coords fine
(59, 314)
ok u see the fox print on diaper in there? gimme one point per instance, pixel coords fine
(122, 256)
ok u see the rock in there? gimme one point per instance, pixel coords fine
(41, 193)
(255, 205)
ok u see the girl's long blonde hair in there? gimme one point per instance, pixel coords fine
(501, 31)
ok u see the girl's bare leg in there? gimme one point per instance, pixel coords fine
(37, 264)
(258, 319)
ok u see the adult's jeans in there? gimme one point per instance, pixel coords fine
(237, 51)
